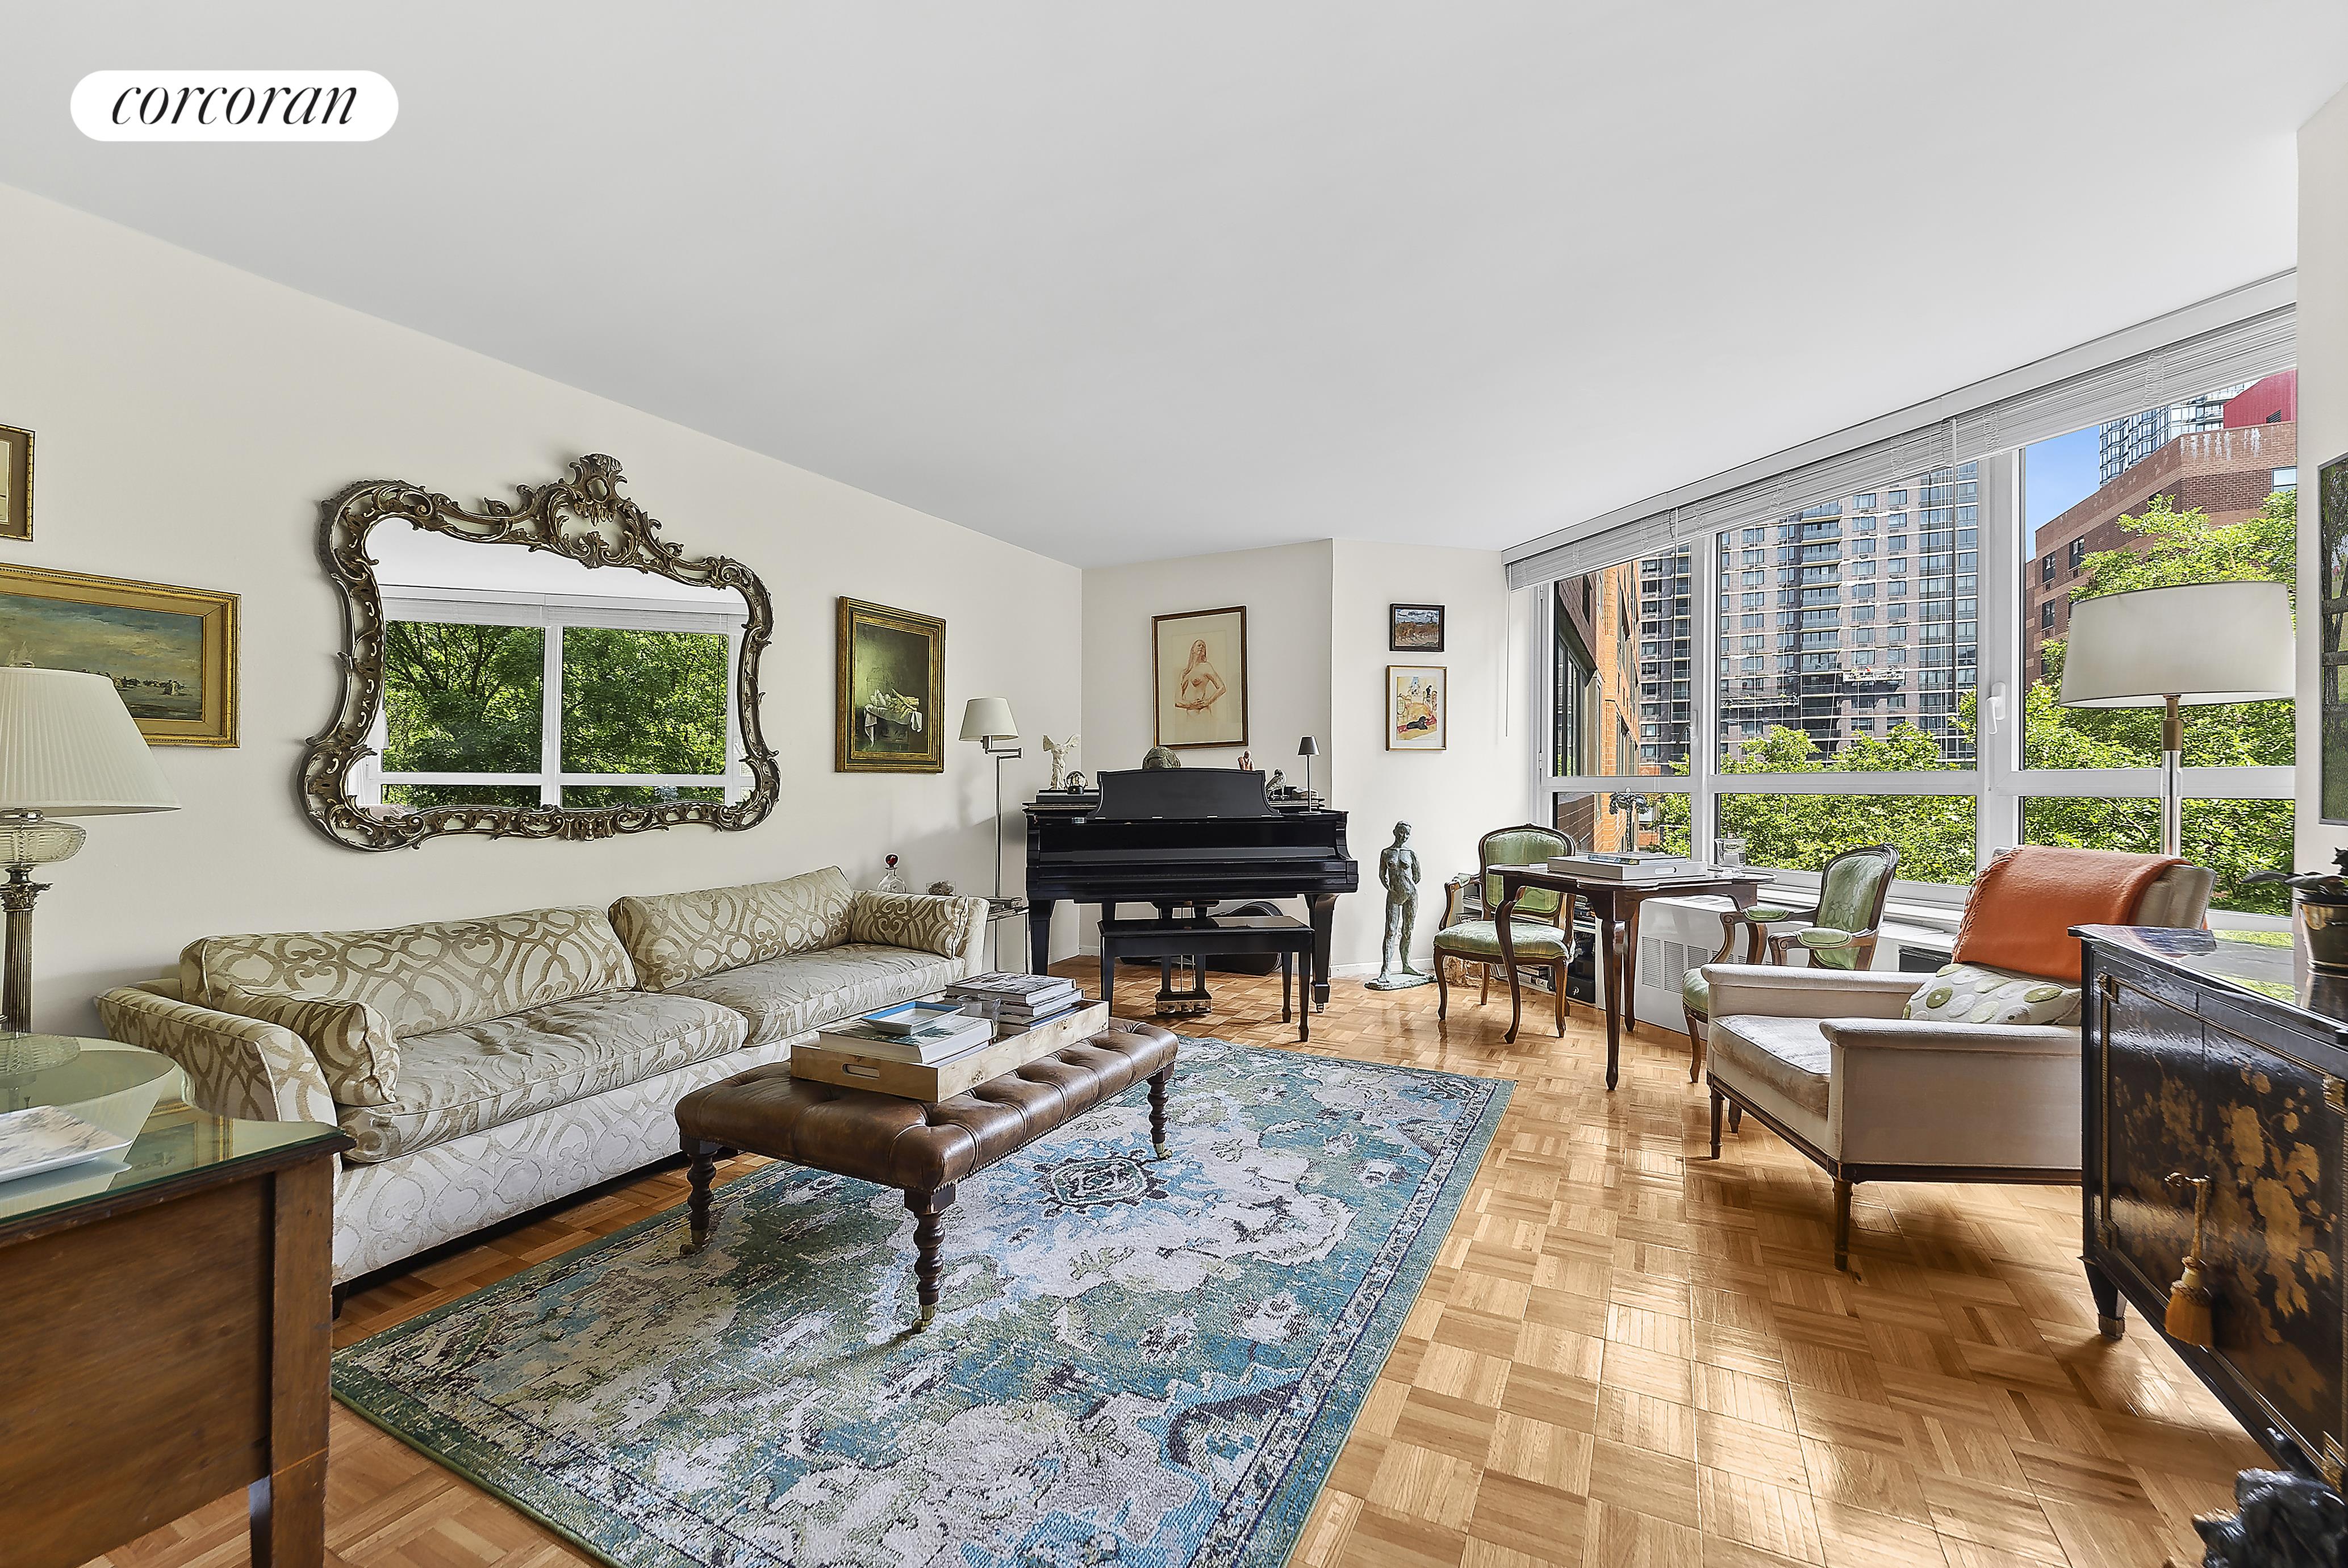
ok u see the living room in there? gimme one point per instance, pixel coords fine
(782, 785)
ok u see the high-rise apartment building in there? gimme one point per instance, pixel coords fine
(1854, 617)
(2121, 444)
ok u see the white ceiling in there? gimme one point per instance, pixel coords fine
(1118, 281)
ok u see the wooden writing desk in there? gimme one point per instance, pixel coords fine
(1615, 906)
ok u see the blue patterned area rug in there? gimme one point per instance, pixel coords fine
(1149, 1362)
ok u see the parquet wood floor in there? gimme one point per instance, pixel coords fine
(1628, 1354)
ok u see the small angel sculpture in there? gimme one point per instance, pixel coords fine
(1061, 751)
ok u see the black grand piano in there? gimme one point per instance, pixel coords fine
(1187, 836)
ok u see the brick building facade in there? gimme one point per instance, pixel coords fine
(2227, 473)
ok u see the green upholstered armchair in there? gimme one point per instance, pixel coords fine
(1543, 930)
(1839, 934)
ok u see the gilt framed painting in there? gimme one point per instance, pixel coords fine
(891, 689)
(169, 652)
(1200, 668)
(1416, 695)
(15, 482)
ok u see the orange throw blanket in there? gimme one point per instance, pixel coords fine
(2023, 906)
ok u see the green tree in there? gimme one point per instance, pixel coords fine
(461, 699)
(468, 699)
(1802, 833)
(2233, 838)
(641, 702)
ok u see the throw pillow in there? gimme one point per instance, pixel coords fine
(352, 1042)
(921, 922)
(1976, 994)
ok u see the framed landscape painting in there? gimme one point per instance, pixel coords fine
(1415, 694)
(892, 685)
(1199, 667)
(2331, 498)
(1413, 628)
(169, 652)
(15, 484)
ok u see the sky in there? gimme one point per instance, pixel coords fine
(2058, 474)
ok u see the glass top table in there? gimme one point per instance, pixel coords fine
(133, 1092)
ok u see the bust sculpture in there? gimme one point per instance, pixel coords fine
(1157, 758)
(1399, 871)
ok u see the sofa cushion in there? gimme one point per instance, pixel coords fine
(1534, 939)
(1789, 1054)
(417, 979)
(793, 993)
(680, 936)
(924, 922)
(495, 1070)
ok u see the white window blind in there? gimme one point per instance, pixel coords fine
(1870, 467)
(1631, 540)
(2242, 352)
(2007, 411)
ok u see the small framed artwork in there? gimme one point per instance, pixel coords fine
(15, 484)
(2332, 500)
(1200, 668)
(891, 688)
(1414, 628)
(169, 652)
(1415, 694)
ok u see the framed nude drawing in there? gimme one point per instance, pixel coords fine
(169, 652)
(15, 484)
(1415, 699)
(892, 685)
(1199, 666)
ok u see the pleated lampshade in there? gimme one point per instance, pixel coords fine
(69, 749)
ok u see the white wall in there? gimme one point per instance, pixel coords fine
(189, 419)
(1316, 665)
(2322, 425)
(1481, 780)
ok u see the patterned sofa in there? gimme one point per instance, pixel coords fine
(487, 1067)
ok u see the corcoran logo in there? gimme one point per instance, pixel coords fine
(234, 105)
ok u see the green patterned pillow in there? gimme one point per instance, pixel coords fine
(1975, 993)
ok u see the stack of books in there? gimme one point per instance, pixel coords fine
(1629, 868)
(1018, 1000)
(925, 1031)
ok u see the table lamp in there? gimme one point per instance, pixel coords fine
(1308, 748)
(2160, 647)
(67, 748)
(988, 721)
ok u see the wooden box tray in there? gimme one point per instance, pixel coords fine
(830, 1061)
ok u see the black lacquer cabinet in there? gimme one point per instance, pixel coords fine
(2207, 1058)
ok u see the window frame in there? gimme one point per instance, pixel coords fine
(554, 613)
(1998, 783)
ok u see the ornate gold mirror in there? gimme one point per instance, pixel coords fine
(587, 679)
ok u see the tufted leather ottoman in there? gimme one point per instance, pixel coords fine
(923, 1150)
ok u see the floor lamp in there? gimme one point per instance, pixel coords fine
(67, 748)
(2163, 647)
(988, 721)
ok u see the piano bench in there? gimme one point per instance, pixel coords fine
(1209, 935)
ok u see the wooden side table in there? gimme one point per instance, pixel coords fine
(168, 1331)
(1616, 907)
